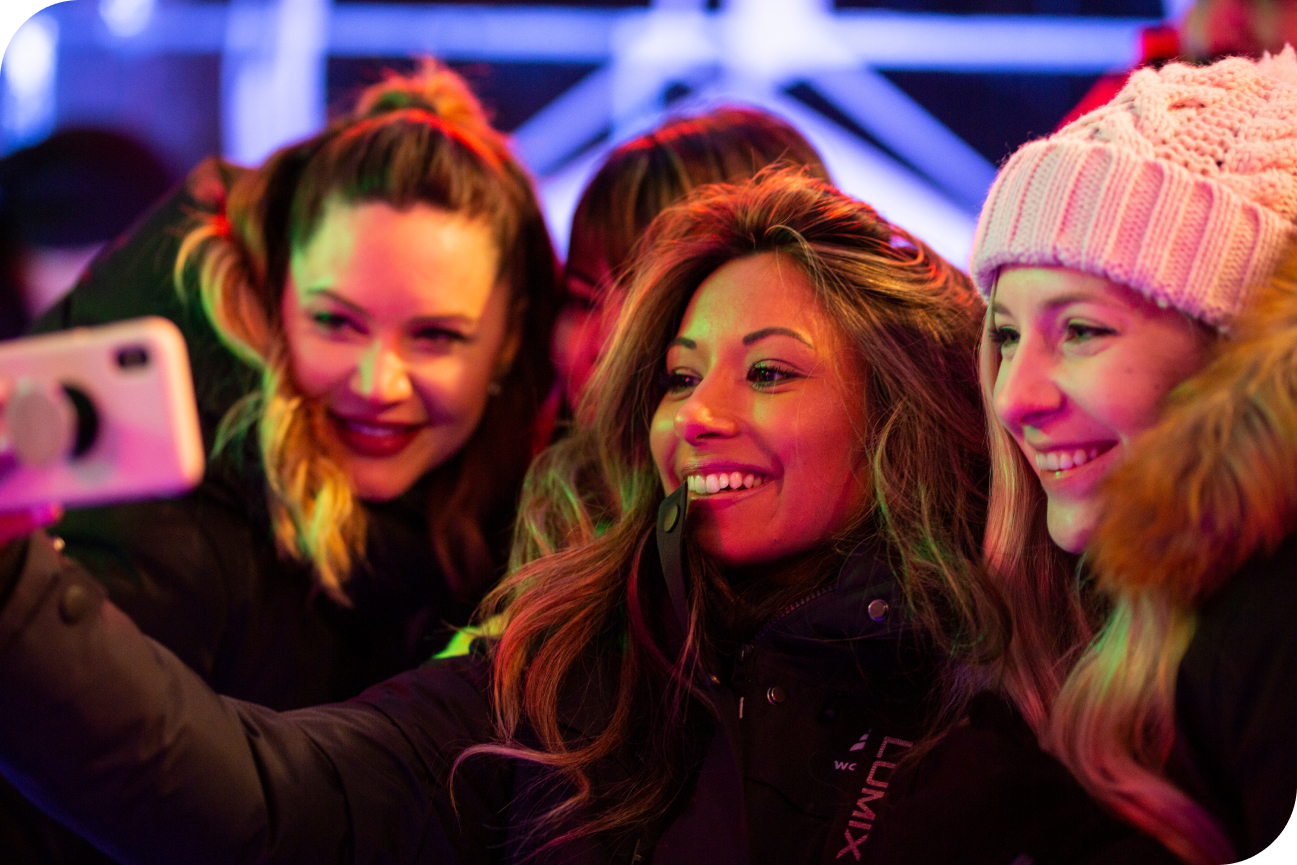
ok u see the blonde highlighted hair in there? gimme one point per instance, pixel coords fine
(1050, 617)
(418, 139)
(1214, 483)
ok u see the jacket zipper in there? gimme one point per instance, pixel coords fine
(745, 650)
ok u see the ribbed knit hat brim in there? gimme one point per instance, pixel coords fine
(1178, 237)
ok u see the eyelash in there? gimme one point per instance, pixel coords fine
(1088, 331)
(331, 321)
(678, 382)
(439, 334)
(784, 374)
(1003, 335)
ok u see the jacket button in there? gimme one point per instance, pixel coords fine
(776, 695)
(74, 604)
(670, 518)
(878, 609)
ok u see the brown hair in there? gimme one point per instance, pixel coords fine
(1214, 483)
(417, 139)
(648, 174)
(575, 591)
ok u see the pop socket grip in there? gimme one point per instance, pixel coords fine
(47, 422)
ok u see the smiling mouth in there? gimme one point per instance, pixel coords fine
(717, 482)
(374, 438)
(1064, 459)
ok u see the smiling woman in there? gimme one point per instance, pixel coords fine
(1084, 363)
(368, 317)
(755, 413)
(397, 321)
(1116, 256)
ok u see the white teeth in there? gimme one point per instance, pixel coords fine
(711, 484)
(1054, 461)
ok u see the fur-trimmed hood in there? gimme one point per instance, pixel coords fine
(1216, 480)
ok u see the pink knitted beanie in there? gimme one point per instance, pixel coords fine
(1184, 187)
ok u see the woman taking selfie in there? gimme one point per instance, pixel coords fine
(728, 669)
(368, 317)
(1113, 254)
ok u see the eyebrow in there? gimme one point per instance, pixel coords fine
(421, 321)
(1053, 303)
(763, 333)
(332, 295)
(683, 342)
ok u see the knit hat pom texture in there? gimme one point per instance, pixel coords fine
(1184, 187)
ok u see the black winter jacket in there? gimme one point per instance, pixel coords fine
(108, 730)
(1236, 703)
(986, 794)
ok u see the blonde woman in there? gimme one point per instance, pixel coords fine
(368, 316)
(1112, 254)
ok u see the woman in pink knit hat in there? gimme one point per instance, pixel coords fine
(1116, 256)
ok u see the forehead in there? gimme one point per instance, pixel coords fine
(375, 255)
(1028, 291)
(752, 293)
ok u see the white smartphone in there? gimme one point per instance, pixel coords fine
(98, 415)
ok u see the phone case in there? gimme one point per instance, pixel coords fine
(145, 439)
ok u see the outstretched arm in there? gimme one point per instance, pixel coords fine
(109, 732)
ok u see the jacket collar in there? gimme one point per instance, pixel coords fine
(864, 601)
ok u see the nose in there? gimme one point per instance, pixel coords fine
(381, 377)
(706, 414)
(1026, 389)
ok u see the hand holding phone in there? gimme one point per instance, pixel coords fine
(96, 415)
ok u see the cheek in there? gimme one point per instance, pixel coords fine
(318, 366)
(453, 390)
(662, 443)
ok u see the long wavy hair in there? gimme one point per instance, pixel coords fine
(1051, 614)
(421, 139)
(1214, 483)
(575, 591)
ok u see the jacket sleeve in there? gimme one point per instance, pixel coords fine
(109, 732)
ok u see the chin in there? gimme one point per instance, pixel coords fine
(378, 489)
(1070, 531)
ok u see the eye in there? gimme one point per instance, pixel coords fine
(1081, 332)
(1003, 336)
(440, 335)
(678, 381)
(767, 374)
(332, 322)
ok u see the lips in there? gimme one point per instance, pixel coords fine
(374, 439)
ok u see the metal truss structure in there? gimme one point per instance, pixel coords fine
(749, 51)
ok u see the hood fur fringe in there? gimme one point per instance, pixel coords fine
(1215, 482)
